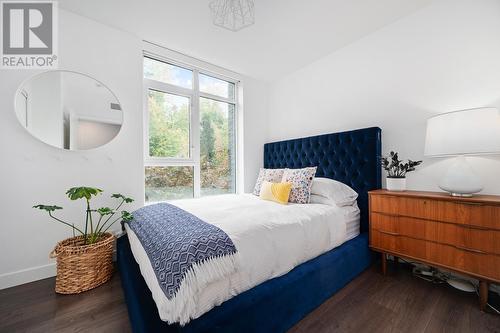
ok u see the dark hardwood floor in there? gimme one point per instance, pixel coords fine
(398, 302)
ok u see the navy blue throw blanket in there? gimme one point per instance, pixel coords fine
(175, 241)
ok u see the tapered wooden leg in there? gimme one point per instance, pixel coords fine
(384, 263)
(483, 294)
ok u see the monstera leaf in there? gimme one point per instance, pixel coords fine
(76, 193)
(48, 208)
(121, 196)
(126, 216)
(103, 211)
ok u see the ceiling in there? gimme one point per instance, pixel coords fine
(287, 34)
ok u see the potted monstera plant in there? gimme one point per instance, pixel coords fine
(397, 170)
(85, 260)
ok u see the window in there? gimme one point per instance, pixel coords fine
(190, 132)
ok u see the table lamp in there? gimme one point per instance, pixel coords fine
(461, 133)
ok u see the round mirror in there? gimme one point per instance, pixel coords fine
(68, 110)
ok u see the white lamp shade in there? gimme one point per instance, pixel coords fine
(474, 131)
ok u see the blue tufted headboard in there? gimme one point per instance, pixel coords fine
(350, 157)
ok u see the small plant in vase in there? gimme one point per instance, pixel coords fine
(397, 170)
(85, 260)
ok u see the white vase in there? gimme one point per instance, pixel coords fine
(396, 184)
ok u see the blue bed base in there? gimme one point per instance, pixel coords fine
(277, 304)
(273, 306)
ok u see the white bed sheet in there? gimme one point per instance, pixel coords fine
(351, 219)
(271, 240)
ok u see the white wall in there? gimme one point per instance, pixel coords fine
(444, 57)
(32, 172)
(255, 129)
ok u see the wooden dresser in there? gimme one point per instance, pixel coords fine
(458, 234)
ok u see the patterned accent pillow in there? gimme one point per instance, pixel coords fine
(268, 175)
(301, 180)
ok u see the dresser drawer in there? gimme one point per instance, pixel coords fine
(465, 259)
(400, 225)
(446, 233)
(383, 240)
(397, 243)
(460, 258)
(485, 240)
(485, 265)
(468, 213)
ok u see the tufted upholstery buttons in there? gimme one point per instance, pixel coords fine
(350, 157)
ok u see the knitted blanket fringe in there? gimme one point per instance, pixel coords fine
(195, 279)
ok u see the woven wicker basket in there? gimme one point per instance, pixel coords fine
(83, 267)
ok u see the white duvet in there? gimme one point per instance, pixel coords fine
(271, 239)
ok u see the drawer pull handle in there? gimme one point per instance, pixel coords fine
(389, 233)
(468, 203)
(476, 227)
(470, 250)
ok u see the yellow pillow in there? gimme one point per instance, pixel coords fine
(278, 192)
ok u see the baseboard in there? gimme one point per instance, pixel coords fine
(23, 276)
(36, 273)
(27, 275)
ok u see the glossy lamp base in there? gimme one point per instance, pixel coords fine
(461, 195)
(460, 180)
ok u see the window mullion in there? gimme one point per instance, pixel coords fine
(158, 161)
(218, 98)
(146, 121)
(195, 134)
(168, 88)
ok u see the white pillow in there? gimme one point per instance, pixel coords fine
(350, 211)
(341, 194)
(318, 199)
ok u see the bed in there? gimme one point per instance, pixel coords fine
(277, 304)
